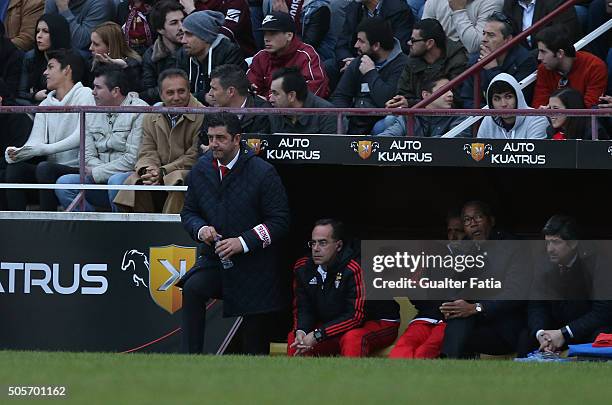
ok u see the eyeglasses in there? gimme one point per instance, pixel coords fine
(322, 243)
(563, 82)
(478, 218)
(501, 17)
(415, 40)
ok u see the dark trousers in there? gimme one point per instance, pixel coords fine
(34, 172)
(254, 334)
(467, 337)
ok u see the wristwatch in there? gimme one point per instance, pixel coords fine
(479, 308)
(318, 334)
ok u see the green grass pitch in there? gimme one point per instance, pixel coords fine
(104, 378)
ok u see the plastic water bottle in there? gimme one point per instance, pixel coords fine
(226, 263)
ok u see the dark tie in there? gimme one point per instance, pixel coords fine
(224, 171)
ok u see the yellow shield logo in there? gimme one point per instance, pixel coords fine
(365, 148)
(477, 150)
(256, 144)
(168, 265)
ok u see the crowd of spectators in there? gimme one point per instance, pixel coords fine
(383, 54)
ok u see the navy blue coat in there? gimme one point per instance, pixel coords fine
(250, 195)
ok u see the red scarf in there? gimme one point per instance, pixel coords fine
(136, 29)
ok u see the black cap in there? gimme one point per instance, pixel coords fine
(277, 21)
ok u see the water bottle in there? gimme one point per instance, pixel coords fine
(226, 263)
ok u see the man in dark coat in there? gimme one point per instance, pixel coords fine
(237, 206)
(571, 292)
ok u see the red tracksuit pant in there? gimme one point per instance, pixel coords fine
(421, 340)
(358, 342)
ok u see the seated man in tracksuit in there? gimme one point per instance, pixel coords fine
(330, 312)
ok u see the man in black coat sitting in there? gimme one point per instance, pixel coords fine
(237, 207)
(571, 292)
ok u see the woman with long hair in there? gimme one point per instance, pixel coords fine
(108, 46)
(52, 32)
(564, 127)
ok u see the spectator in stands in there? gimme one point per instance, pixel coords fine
(15, 131)
(493, 325)
(109, 47)
(52, 33)
(237, 25)
(53, 146)
(20, 22)
(329, 313)
(524, 13)
(10, 65)
(229, 87)
(83, 16)
(204, 48)
(600, 11)
(371, 79)
(133, 18)
(289, 90)
(570, 306)
(463, 20)
(166, 19)
(427, 125)
(424, 335)
(561, 66)
(563, 127)
(168, 150)
(431, 54)
(112, 141)
(504, 92)
(396, 12)
(284, 49)
(517, 62)
(237, 208)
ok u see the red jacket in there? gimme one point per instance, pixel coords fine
(589, 75)
(297, 54)
(237, 26)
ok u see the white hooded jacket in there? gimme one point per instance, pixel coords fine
(525, 127)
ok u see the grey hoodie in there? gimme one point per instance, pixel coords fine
(525, 127)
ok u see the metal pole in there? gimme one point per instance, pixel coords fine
(81, 195)
(339, 124)
(477, 92)
(410, 122)
(594, 128)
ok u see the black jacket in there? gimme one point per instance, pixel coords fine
(155, 60)
(223, 51)
(577, 303)
(306, 124)
(519, 63)
(567, 19)
(255, 124)
(15, 132)
(250, 202)
(396, 12)
(10, 67)
(371, 90)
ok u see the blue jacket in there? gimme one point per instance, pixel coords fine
(250, 202)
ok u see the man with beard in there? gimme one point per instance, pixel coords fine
(370, 80)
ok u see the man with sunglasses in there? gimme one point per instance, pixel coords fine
(561, 66)
(517, 61)
(330, 312)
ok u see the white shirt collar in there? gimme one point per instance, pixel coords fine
(231, 164)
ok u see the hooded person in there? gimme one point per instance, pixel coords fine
(204, 48)
(10, 62)
(35, 60)
(504, 92)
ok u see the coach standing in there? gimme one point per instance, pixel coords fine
(238, 198)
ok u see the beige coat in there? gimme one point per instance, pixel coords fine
(174, 150)
(20, 22)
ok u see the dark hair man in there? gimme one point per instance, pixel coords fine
(237, 208)
(330, 314)
(561, 66)
(166, 18)
(431, 54)
(168, 150)
(371, 79)
(289, 90)
(229, 87)
(517, 61)
(569, 305)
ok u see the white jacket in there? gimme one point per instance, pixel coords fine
(57, 135)
(112, 140)
(463, 25)
(525, 127)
